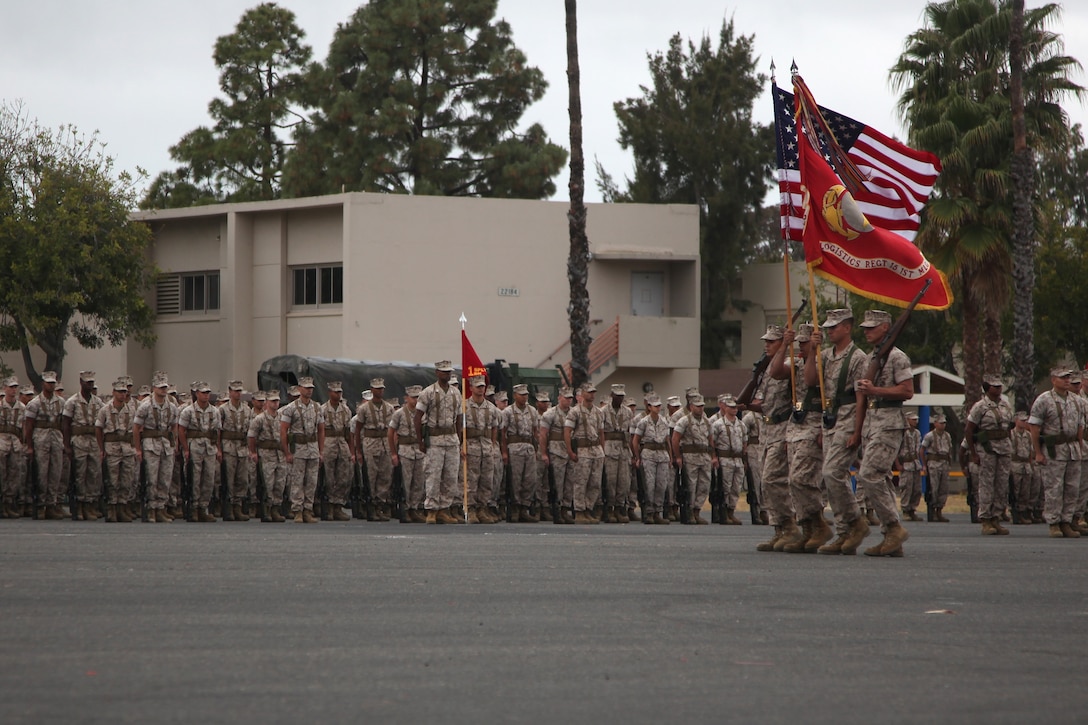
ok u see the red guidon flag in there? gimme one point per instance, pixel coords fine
(842, 244)
(470, 364)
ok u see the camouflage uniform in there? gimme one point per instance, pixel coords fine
(657, 472)
(156, 440)
(234, 422)
(805, 454)
(837, 456)
(374, 417)
(339, 467)
(481, 422)
(729, 440)
(753, 423)
(617, 454)
(1022, 467)
(86, 457)
(777, 409)
(201, 427)
(1059, 421)
(910, 479)
(441, 411)
(992, 420)
(264, 429)
(695, 451)
(12, 452)
(882, 438)
(45, 413)
(520, 427)
(585, 423)
(116, 426)
(938, 447)
(305, 426)
(410, 457)
(551, 425)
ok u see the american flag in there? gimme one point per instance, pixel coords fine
(898, 182)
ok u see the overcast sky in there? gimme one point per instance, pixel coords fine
(141, 72)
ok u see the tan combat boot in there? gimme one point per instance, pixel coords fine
(998, 528)
(123, 514)
(160, 517)
(731, 518)
(308, 517)
(1067, 531)
(1056, 531)
(661, 520)
(940, 516)
(298, 516)
(859, 529)
(790, 533)
(892, 545)
(769, 544)
(237, 512)
(473, 516)
(443, 516)
(565, 516)
(275, 514)
(796, 544)
(338, 513)
(1079, 525)
(205, 516)
(581, 517)
(821, 533)
(111, 513)
(432, 517)
(53, 513)
(633, 515)
(988, 527)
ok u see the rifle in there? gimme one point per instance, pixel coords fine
(73, 494)
(105, 487)
(972, 494)
(884, 348)
(931, 500)
(606, 501)
(752, 496)
(508, 493)
(553, 495)
(640, 488)
(717, 495)
(225, 511)
(400, 496)
(1014, 511)
(143, 490)
(321, 494)
(35, 487)
(745, 396)
(367, 492)
(262, 493)
(683, 495)
(187, 492)
(358, 504)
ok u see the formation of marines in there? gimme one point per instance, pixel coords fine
(444, 457)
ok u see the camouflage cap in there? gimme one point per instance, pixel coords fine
(674, 401)
(619, 389)
(477, 381)
(49, 377)
(306, 382)
(697, 401)
(335, 386)
(501, 396)
(876, 318)
(367, 395)
(993, 381)
(259, 395)
(589, 388)
(912, 416)
(202, 387)
(774, 332)
(144, 390)
(236, 385)
(395, 402)
(543, 397)
(566, 393)
(1060, 371)
(521, 389)
(653, 400)
(292, 391)
(489, 391)
(26, 390)
(377, 383)
(128, 380)
(1021, 415)
(804, 332)
(160, 380)
(940, 419)
(86, 376)
(413, 391)
(444, 366)
(727, 400)
(837, 316)
(1076, 378)
(119, 385)
(454, 381)
(12, 382)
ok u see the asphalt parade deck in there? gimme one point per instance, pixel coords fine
(385, 622)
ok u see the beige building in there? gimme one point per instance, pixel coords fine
(386, 277)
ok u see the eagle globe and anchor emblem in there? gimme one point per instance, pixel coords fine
(843, 214)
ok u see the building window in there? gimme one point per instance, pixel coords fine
(192, 292)
(317, 286)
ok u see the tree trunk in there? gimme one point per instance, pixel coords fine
(1023, 241)
(972, 351)
(991, 354)
(578, 259)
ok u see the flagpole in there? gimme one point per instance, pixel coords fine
(815, 325)
(786, 270)
(464, 431)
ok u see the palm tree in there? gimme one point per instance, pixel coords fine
(578, 258)
(953, 77)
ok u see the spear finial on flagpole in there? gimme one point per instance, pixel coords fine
(793, 67)
(463, 320)
(772, 71)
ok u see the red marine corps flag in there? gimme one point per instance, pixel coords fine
(857, 224)
(470, 361)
